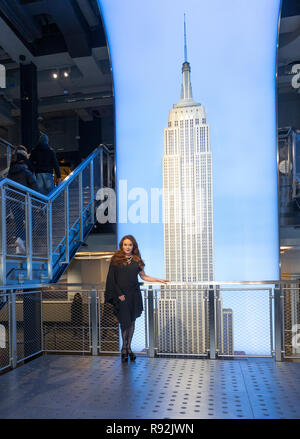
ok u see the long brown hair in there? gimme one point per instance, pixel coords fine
(120, 258)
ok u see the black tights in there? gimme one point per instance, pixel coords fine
(127, 335)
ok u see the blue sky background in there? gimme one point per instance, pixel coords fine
(231, 49)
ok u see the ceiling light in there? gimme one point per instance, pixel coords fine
(54, 75)
(66, 74)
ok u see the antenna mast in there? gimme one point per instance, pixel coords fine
(185, 46)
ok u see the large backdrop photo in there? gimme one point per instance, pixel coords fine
(195, 102)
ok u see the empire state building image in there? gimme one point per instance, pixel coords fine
(188, 223)
(187, 184)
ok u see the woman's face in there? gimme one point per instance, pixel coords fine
(127, 247)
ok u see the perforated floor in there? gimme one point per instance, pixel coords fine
(55, 386)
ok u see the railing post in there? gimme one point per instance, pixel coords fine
(278, 322)
(8, 158)
(3, 237)
(28, 234)
(92, 191)
(42, 323)
(67, 246)
(212, 323)
(80, 207)
(219, 346)
(49, 239)
(94, 321)
(101, 167)
(151, 321)
(13, 329)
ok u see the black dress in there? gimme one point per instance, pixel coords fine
(122, 279)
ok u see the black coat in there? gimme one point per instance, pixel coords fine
(44, 160)
(27, 162)
(19, 173)
(122, 280)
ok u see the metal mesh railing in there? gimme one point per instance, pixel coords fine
(180, 320)
(74, 202)
(108, 326)
(4, 331)
(86, 187)
(28, 324)
(15, 222)
(244, 321)
(39, 228)
(291, 319)
(58, 221)
(98, 177)
(66, 321)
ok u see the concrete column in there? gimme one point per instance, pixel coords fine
(29, 105)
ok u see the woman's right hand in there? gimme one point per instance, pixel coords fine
(122, 298)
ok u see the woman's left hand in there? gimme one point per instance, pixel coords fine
(164, 281)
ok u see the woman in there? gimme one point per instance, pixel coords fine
(22, 168)
(123, 291)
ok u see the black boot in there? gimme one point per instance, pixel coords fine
(124, 355)
(131, 354)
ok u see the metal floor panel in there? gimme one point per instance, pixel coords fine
(54, 386)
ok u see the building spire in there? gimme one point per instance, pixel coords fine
(186, 87)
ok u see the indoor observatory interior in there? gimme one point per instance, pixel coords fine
(150, 210)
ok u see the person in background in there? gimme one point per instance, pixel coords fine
(20, 173)
(23, 156)
(76, 313)
(65, 169)
(44, 161)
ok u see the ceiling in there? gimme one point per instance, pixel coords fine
(68, 34)
(56, 36)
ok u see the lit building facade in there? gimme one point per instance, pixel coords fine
(187, 189)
